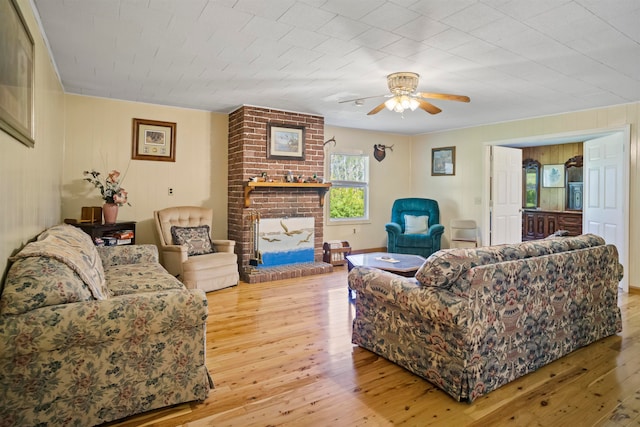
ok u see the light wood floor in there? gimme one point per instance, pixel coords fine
(280, 354)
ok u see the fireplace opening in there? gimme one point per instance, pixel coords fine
(282, 241)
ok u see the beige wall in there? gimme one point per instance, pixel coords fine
(30, 178)
(389, 179)
(460, 195)
(98, 136)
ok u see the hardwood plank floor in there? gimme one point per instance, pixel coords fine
(280, 354)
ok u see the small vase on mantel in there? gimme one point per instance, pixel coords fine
(110, 213)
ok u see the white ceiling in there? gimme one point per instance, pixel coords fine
(514, 58)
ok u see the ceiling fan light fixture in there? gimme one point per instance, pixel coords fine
(413, 104)
(391, 103)
(402, 83)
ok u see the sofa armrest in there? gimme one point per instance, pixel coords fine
(430, 303)
(436, 230)
(393, 228)
(127, 254)
(93, 323)
(223, 245)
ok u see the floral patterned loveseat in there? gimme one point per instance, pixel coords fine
(475, 319)
(90, 335)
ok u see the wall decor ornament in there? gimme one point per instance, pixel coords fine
(153, 140)
(443, 161)
(553, 176)
(285, 142)
(17, 75)
(380, 151)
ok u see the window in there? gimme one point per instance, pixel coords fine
(349, 193)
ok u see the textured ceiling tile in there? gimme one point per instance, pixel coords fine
(376, 38)
(438, 10)
(305, 16)
(303, 38)
(354, 9)
(264, 28)
(421, 28)
(389, 17)
(472, 17)
(343, 28)
(271, 9)
(510, 56)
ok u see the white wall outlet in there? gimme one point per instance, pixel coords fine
(170, 191)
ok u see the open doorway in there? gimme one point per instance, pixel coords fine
(621, 210)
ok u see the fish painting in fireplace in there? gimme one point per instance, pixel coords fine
(285, 241)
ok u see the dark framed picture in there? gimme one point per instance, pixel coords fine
(443, 161)
(153, 140)
(553, 176)
(16, 69)
(285, 142)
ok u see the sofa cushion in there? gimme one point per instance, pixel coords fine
(73, 247)
(579, 242)
(140, 277)
(197, 239)
(416, 224)
(445, 266)
(36, 282)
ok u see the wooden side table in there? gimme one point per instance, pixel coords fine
(100, 230)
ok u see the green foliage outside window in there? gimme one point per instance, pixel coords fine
(347, 202)
(531, 190)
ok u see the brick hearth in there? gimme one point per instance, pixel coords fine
(248, 158)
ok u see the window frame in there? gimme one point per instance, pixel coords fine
(365, 185)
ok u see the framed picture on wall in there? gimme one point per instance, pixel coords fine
(553, 176)
(285, 142)
(153, 140)
(443, 161)
(17, 77)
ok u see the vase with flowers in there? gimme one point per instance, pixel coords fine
(112, 193)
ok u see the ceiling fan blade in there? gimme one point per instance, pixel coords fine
(445, 96)
(428, 107)
(376, 110)
(362, 98)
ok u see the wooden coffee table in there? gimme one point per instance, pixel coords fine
(401, 264)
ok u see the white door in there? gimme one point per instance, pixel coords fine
(506, 195)
(605, 198)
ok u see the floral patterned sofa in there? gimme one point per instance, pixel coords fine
(90, 335)
(475, 319)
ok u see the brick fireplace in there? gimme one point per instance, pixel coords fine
(248, 159)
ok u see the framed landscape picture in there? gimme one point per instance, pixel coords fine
(153, 140)
(16, 75)
(285, 142)
(443, 161)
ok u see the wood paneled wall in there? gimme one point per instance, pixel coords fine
(552, 198)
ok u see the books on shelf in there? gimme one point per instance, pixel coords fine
(122, 234)
(122, 237)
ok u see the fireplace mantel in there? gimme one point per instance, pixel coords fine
(321, 188)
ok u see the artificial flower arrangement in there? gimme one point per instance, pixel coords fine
(111, 191)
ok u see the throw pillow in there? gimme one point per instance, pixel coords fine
(197, 239)
(416, 224)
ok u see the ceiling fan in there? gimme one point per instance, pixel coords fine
(404, 96)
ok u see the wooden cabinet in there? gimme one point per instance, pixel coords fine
(538, 224)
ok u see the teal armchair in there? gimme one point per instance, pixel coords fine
(409, 232)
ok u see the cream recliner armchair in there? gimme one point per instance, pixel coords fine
(207, 271)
